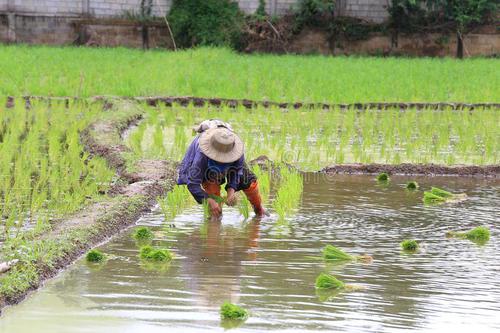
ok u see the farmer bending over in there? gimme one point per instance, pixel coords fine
(215, 157)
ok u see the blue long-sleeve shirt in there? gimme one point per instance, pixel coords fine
(194, 170)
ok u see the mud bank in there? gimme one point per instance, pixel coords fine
(248, 104)
(416, 169)
(133, 194)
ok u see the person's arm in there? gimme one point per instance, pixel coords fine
(195, 177)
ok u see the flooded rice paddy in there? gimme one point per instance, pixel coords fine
(269, 268)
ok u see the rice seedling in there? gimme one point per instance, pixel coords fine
(479, 235)
(233, 311)
(318, 143)
(149, 253)
(175, 202)
(327, 281)
(409, 245)
(95, 256)
(289, 192)
(412, 186)
(332, 253)
(234, 75)
(46, 173)
(143, 234)
(244, 207)
(442, 193)
(437, 195)
(431, 198)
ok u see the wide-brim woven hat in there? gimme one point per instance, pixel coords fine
(221, 145)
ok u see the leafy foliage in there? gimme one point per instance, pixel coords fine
(206, 22)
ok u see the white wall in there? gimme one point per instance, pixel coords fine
(373, 10)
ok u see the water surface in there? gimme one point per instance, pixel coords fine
(269, 268)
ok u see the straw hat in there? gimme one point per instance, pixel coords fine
(221, 145)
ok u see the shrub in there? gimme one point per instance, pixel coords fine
(327, 281)
(232, 311)
(314, 13)
(206, 22)
(95, 256)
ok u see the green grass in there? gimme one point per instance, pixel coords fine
(209, 72)
(327, 281)
(437, 196)
(233, 311)
(95, 256)
(409, 245)
(149, 253)
(321, 138)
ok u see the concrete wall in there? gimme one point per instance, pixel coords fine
(373, 10)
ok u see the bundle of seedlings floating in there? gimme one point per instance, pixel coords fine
(95, 256)
(409, 245)
(332, 253)
(437, 195)
(480, 235)
(151, 254)
(329, 282)
(232, 312)
(143, 234)
(412, 186)
(383, 177)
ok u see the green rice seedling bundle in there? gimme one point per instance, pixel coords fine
(95, 256)
(149, 253)
(327, 281)
(383, 177)
(143, 234)
(478, 234)
(442, 193)
(412, 186)
(332, 253)
(289, 192)
(437, 195)
(233, 312)
(409, 245)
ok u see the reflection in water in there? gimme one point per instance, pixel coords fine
(270, 269)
